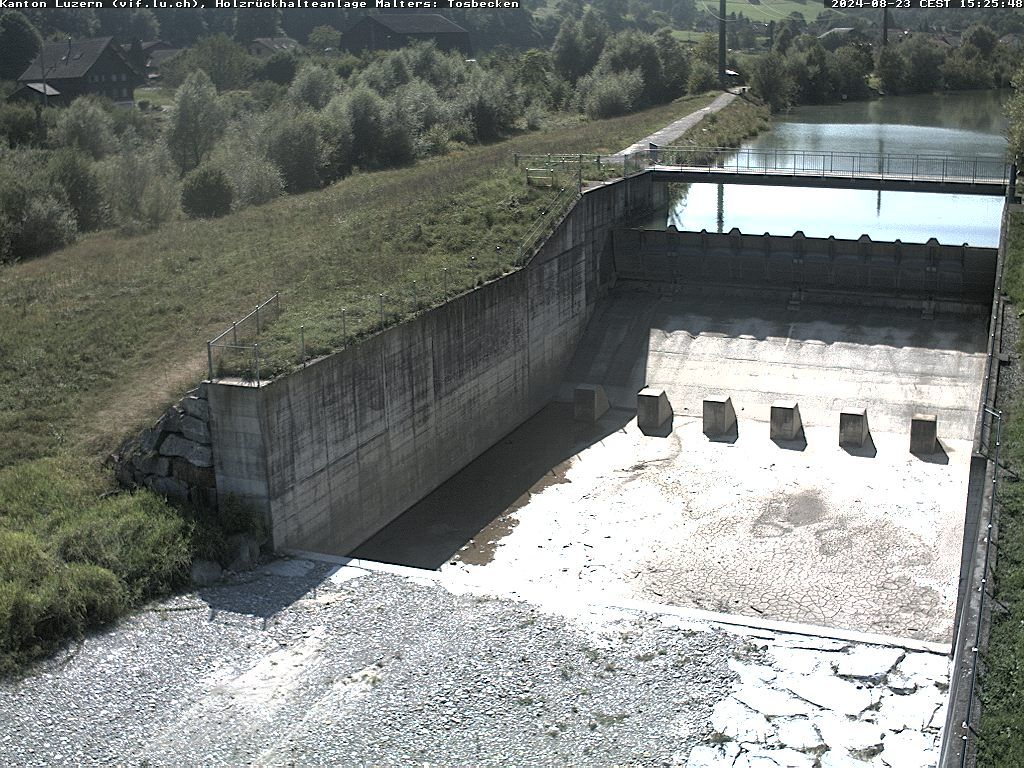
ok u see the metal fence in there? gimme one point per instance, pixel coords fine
(975, 169)
(235, 350)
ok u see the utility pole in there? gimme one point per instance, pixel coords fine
(721, 42)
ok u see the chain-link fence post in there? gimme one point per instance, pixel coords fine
(302, 341)
(256, 360)
(344, 325)
(445, 270)
(209, 359)
(382, 311)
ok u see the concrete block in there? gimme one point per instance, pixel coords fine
(785, 420)
(923, 434)
(589, 402)
(853, 427)
(719, 415)
(652, 408)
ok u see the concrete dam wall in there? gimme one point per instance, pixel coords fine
(832, 269)
(334, 452)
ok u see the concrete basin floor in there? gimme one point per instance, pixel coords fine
(803, 531)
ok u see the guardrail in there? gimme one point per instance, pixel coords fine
(974, 169)
(232, 349)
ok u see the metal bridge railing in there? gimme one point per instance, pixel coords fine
(975, 169)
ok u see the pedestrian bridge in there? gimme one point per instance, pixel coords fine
(948, 174)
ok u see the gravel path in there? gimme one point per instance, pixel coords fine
(299, 666)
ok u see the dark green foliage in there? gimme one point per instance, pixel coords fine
(34, 216)
(197, 122)
(365, 111)
(19, 125)
(703, 77)
(313, 87)
(323, 38)
(961, 72)
(770, 82)
(19, 44)
(293, 148)
(490, 101)
(74, 173)
(206, 193)
(603, 95)
(85, 126)
(223, 60)
(257, 22)
(633, 51)
(891, 70)
(279, 68)
(923, 62)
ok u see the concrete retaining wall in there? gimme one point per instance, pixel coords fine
(334, 452)
(929, 271)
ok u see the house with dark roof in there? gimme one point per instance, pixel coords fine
(265, 47)
(390, 31)
(64, 71)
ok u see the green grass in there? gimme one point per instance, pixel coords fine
(73, 557)
(729, 127)
(97, 338)
(1002, 682)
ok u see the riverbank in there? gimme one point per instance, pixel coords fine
(1002, 683)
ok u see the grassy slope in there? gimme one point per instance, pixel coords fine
(97, 338)
(1002, 718)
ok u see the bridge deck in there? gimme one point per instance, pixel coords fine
(808, 178)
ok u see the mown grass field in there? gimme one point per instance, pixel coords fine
(98, 338)
(1002, 682)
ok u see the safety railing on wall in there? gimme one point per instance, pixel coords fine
(974, 169)
(235, 350)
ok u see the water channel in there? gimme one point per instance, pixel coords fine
(969, 123)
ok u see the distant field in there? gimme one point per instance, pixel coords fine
(766, 10)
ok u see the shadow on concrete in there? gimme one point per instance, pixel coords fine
(939, 457)
(726, 437)
(476, 505)
(798, 443)
(664, 430)
(865, 451)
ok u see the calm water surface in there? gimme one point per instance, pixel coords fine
(955, 124)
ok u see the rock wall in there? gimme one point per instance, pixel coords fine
(174, 457)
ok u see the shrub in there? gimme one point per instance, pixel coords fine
(206, 193)
(335, 129)
(86, 126)
(491, 102)
(279, 68)
(313, 87)
(609, 94)
(34, 215)
(74, 173)
(365, 111)
(140, 188)
(18, 125)
(294, 149)
(197, 122)
(702, 78)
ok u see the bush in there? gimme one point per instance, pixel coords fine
(490, 101)
(279, 68)
(365, 110)
(609, 94)
(313, 87)
(75, 174)
(335, 129)
(206, 193)
(702, 78)
(18, 125)
(197, 122)
(294, 149)
(86, 126)
(34, 215)
(140, 188)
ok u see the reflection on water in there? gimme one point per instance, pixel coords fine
(956, 124)
(845, 213)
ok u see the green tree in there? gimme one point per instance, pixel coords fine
(635, 51)
(19, 44)
(891, 70)
(771, 83)
(324, 37)
(675, 64)
(567, 51)
(313, 87)
(226, 62)
(279, 68)
(18, 125)
(73, 173)
(849, 69)
(982, 39)
(294, 149)
(924, 61)
(197, 121)
(206, 193)
(86, 126)
(365, 111)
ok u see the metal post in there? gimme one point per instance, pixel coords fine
(445, 283)
(974, 175)
(256, 358)
(209, 359)
(382, 311)
(344, 329)
(257, 319)
(302, 336)
(515, 159)
(943, 168)
(234, 332)
(415, 296)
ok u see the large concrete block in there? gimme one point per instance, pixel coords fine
(719, 415)
(923, 434)
(652, 408)
(589, 402)
(853, 427)
(785, 420)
